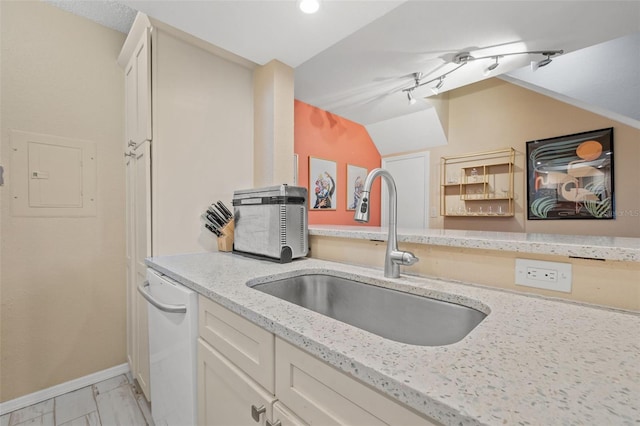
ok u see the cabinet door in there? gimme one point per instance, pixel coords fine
(282, 416)
(142, 223)
(142, 60)
(320, 394)
(131, 104)
(250, 347)
(227, 396)
(130, 262)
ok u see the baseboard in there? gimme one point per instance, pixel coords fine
(62, 388)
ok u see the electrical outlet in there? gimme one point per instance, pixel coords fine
(546, 275)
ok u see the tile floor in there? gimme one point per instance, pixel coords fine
(112, 402)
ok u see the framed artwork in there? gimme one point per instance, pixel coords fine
(355, 185)
(322, 184)
(571, 177)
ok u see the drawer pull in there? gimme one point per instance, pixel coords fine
(255, 412)
(276, 423)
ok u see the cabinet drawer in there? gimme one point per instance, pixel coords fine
(285, 417)
(248, 346)
(227, 396)
(320, 394)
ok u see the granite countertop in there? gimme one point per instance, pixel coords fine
(592, 247)
(530, 361)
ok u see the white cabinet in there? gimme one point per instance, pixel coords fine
(138, 225)
(142, 234)
(189, 110)
(320, 394)
(138, 92)
(138, 205)
(226, 395)
(238, 362)
(235, 368)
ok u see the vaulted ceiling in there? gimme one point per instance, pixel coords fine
(353, 58)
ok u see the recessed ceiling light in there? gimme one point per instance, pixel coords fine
(309, 6)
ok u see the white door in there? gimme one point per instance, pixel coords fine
(132, 292)
(411, 174)
(142, 223)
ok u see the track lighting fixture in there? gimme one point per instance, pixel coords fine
(492, 66)
(412, 100)
(437, 87)
(543, 63)
(463, 58)
(416, 77)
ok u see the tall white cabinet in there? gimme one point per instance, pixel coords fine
(138, 210)
(188, 143)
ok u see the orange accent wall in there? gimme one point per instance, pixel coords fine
(318, 133)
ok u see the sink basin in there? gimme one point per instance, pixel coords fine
(392, 314)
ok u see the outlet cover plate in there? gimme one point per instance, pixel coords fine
(554, 276)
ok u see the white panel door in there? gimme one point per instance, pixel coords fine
(411, 174)
(130, 262)
(142, 219)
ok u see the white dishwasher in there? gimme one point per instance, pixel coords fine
(173, 328)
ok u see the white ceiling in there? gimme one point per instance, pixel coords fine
(353, 58)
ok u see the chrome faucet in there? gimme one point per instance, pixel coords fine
(394, 257)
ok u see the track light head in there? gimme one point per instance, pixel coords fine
(410, 97)
(543, 63)
(492, 67)
(437, 87)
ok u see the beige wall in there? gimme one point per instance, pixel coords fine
(62, 288)
(607, 283)
(202, 139)
(273, 124)
(494, 114)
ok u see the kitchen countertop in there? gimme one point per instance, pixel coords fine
(593, 247)
(530, 361)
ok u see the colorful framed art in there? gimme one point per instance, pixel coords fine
(571, 177)
(322, 184)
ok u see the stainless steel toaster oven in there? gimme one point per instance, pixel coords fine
(271, 222)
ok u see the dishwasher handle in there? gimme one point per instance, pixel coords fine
(174, 309)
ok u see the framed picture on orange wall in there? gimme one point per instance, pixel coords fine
(355, 184)
(322, 184)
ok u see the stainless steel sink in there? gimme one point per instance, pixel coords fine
(392, 314)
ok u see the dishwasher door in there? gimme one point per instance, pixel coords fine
(173, 327)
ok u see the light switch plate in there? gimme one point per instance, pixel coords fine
(545, 275)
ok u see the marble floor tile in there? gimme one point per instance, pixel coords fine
(75, 404)
(91, 419)
(43, 420)
(110, 384)
(145, 408)
(118, 407)
(108, 403)
(31, 412)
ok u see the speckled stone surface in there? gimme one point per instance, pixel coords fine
(530, 361)
(607, 248)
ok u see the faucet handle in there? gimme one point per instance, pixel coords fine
(403, 257)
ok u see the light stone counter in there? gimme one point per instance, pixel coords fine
(530, 361)
(593, 247)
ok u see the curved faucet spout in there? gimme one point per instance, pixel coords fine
(393, 258)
